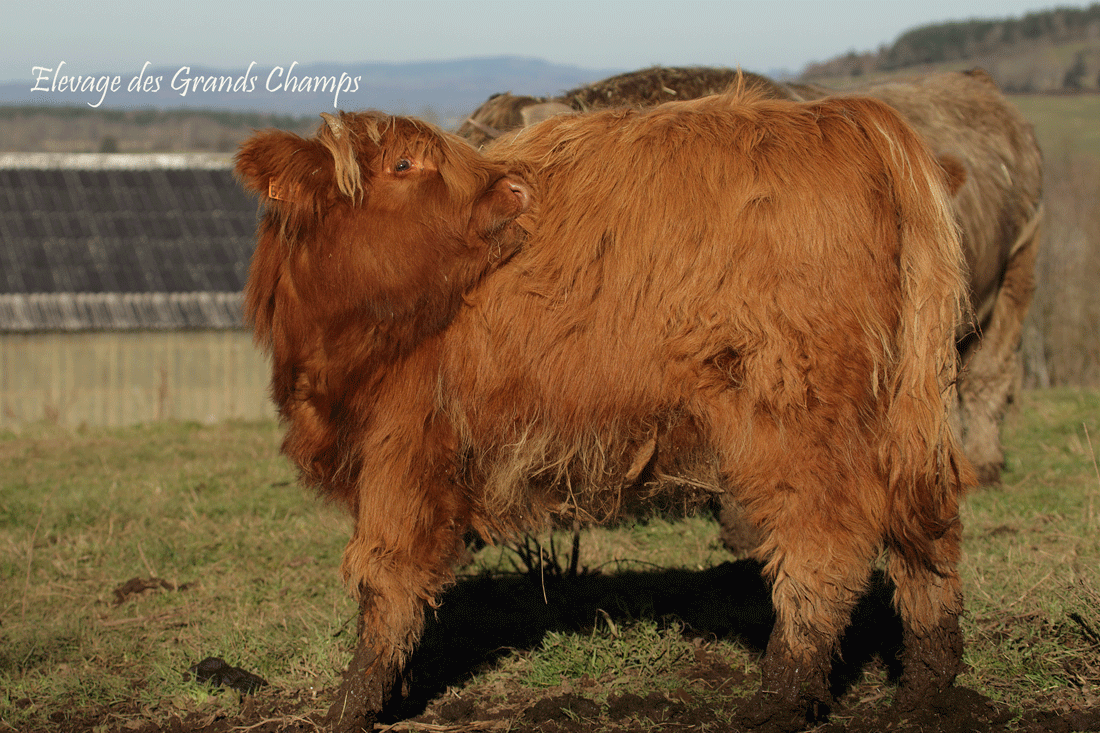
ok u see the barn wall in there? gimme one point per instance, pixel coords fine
(126, 377)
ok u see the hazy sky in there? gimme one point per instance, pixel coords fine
(763, 35)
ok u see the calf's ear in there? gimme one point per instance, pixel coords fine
(954, 173)
(500, 205)
(533, 114)
(286, 168)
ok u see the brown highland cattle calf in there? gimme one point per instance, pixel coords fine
(723, 295)
(965, 119)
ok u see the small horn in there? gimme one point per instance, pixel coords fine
(341, 147)
(334, 124)
(486, 129)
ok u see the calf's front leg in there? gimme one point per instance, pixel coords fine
(399, 560)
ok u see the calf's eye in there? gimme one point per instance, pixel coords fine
(402, 165)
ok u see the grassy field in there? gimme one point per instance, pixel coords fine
(1065, 125)
(249, 563)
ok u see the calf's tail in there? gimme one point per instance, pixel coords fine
(924, 466)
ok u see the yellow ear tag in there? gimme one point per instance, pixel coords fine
(277, 192)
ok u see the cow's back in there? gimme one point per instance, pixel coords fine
(738, 195)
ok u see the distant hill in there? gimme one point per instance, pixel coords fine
(449, 88)
(1049, 51)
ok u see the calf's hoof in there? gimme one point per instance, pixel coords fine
(363, 692)
(930, 663)
(989, 474)
(768, 713)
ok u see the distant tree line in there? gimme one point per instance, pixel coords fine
(1019, 46)
(974, 38)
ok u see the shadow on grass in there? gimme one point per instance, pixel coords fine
(483, 618)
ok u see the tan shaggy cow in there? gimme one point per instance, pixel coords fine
(726, 295)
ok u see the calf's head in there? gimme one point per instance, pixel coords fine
(373, 229)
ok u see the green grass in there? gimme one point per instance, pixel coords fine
(1033, 554)
(645, 648)
(150, 116)
(1064, 124)
(215, 511)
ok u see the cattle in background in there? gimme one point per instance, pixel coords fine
(643, 88)
(964, 116)
(727, 295)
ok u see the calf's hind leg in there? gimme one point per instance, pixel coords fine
(819, 550)
(929, 601)
(988, 381)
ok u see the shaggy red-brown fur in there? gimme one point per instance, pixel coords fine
(724, 295)
(994, 165)
(335, 302)
(999, 210)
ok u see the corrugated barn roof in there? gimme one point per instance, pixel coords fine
(122, 241)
